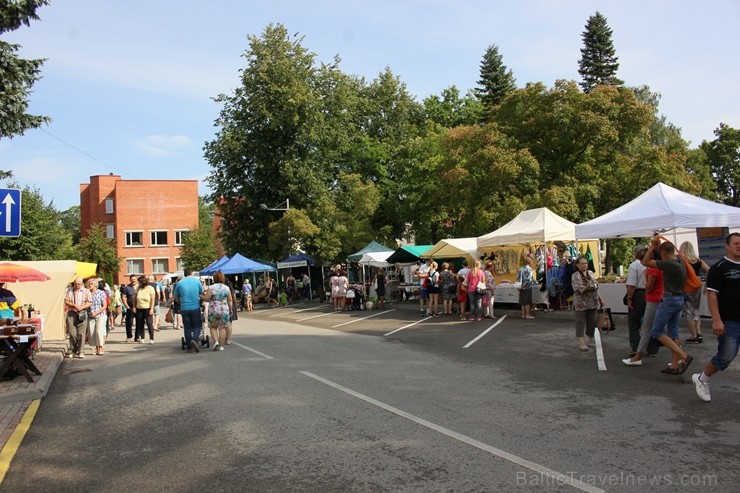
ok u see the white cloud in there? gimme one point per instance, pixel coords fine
(163, 145)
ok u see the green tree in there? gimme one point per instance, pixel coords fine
(496, 81)
(70, 220)
(97, 248)
(452, 110)
(42, 235)
(599, 62)
(723, 155)
(198, 247)
(17, 75)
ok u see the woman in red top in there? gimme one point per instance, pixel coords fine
(653, 295)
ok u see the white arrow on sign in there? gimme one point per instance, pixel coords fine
(9, 203)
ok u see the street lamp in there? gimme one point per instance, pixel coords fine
(278, 208)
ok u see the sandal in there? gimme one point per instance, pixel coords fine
(682, 366)
(670, 371)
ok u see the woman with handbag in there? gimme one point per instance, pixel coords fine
(433, 289)
(525, 278)
(586, 299)
(476, 288)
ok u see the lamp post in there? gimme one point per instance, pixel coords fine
(278, 208)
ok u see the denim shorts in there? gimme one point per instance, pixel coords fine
(727, 345)
(423, 294)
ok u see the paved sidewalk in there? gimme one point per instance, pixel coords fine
(17, 395)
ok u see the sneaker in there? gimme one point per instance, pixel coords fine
(228, 342)
(81, 355)
(151, 341)
(477, 319)
(128, 340)
(68, 355)
(699, 339)
(692, 340)
(702, 389)
(194, 345)
(215, 346)
(220, 348)
(629, 362)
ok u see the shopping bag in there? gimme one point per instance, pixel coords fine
(604, 320)
(168, 316)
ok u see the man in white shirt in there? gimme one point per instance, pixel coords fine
(636, 295)
(423, 273)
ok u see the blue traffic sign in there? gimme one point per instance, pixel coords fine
(10, 212)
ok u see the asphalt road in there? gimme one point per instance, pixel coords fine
(307, 400)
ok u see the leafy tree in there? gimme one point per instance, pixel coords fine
(289, 233)
(723, 154)
(17, 75)
(70, 220)
(451, 110)
(42, 235)
(496, 82)
(97, 248)
(198, 248)
(598, 63)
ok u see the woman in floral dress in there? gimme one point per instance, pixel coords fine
(219, 300)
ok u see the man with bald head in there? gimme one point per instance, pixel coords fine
(76, 301)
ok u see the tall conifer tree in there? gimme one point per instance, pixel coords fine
(496, 82)
(598, 63)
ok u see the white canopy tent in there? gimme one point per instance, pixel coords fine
(375, 259)
(659, 209)
(454, 248)
(531, 226)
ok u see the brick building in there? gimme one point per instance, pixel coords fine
(147, 218)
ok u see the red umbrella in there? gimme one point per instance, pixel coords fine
(20, 273)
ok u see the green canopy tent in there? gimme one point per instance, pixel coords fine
(408, 254)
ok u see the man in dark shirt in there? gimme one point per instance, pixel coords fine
(723, 299)
(669, 310)
(128, 298)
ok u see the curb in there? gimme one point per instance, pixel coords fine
(42, 385)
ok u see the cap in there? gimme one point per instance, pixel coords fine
(638, 248)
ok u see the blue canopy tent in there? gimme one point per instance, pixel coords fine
(215, 266)
(239, 264)
(301, 261)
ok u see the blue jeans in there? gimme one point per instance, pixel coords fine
(727, 345)
(192, 325)
(668, 313)
(476, 304)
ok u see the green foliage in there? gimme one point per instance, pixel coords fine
(451, 110)
(42, 235)
(95, 247)
(70, 220)
(17, 75)
(496, 82)
(723, 155)
(198, 248)
(598, 63)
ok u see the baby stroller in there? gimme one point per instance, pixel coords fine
(355, 299)
(204, 339)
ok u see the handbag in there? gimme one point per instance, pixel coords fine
(81, 317)
(481, 287)
(168, 317)
(604, 320)
(517, 285)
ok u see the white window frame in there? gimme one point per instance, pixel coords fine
(178, 264)
(153, 233)
(154, 261)
(137, 261)
(129, 242)
(179, 236)
(110, 231)
(109, 206)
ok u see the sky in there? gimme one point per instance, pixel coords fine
(129, 85)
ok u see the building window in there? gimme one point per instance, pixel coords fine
(180, 236)
(178, 265)
(109, 206)
(134, 238)
(135, 266)
(158, 238)
(110, 231)
(160, 266)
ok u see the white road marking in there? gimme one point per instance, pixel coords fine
(558, 477)
(466, 346)
(317, 316)
(296, 311)
(364, 318)
(252, 350)
(406, 326)
(599, 350)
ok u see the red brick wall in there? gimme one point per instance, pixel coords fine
(141, 205)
